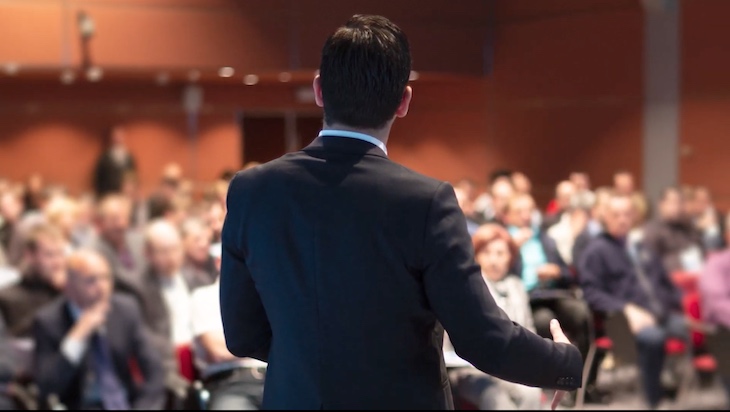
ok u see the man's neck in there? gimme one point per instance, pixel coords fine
(381, 134)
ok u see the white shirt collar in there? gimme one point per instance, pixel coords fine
(355, 135)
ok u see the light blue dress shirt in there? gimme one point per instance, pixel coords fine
(355, 135)
(533, 256)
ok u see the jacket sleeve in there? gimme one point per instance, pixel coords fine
(245, 324)
(152, 394)
(481, 332)
(590, 275)
(53, 373)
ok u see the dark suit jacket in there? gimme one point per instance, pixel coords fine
(157, 317)
(19, 303)
(128, 338)
(108, 174)
(340, 268)
(125, 280)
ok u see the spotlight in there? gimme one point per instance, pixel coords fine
(226, 72)
(250, 79)
(11, 68)
(94, 74)
(284, 77)
(163, 78)
(68, 76)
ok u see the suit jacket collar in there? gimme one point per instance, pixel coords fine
(344, 145)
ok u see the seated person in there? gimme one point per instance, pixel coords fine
(42, 282)
(714, 286)
(617, 280)
(233, 383)
(546, 277)
(7, 370)
(199, 268)
(673, 236)
(494, 251)
(85, 341)
(165, 297)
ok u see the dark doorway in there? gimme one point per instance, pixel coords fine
(263, 138)
(267, 137)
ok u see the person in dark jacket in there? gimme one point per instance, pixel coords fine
(42, 282)
(342, 268)
(548, 280)
(86, 340)
(615, 280)
(114, 164)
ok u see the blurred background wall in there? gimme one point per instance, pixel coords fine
(543, 87)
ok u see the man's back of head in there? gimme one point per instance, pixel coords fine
(364, 72)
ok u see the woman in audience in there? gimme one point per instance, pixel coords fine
(494, 252)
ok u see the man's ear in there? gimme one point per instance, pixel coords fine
(405, 102)
(317, 87)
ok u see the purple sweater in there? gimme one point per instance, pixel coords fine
(715, 289)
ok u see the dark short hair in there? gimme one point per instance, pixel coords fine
(364, 71)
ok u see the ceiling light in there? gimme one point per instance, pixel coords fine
(250, 79)
(284, 77)
(68, 76)
(162, 78)
(226, 72)
(94, 73)
(11, 68)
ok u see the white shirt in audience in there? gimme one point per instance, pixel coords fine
(177, 299)
(206, 316)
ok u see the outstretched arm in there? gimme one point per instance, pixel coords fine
(480, 331)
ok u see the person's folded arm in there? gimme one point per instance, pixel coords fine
(590, 275)
(479, 330)
(245, 324)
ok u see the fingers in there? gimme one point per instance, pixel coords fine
(557, 332)
(556, 399)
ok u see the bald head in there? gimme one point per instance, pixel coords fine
(564, 193)
(164, 248)
(113, 216)
(89, 278)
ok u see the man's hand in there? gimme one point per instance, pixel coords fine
(91, 319)
(548, 271)
(638, 318)
(522, 236)
(558, 336)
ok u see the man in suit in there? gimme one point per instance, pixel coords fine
(42, 282)
(340, 267)
(86, 341)
(114, 164)
(122, 247)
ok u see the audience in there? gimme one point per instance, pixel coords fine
(7, 370)
(122, 247)
(494, 251)
(84, 343)
(165, 295)
(113, 164)
(162, 249)
(547, 278)
(708, 220)
(672, 235)
(199, 267)
(714, 287)
(615, 280)
(41, 283)
(234, 383)
(11, 212)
